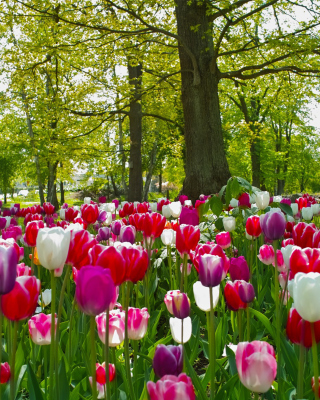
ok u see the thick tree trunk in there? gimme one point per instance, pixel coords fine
(206, 164)
(61, 192)
(153, 157)
(52, 188)
(135, 116)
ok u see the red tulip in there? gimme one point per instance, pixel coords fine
(5, 373)
(89, 213)
(299, 330)
(136, 262)
(71, 214)
(302, 234)
(187, 238)
(31, 234)
(153, 224)
(223, 239)
(210, 248)
(48, 208)
(110, 258)
(253, 227)
(244, 201)
(135, 220)
(302, 202)
(21, 302)
(80, 244)
(231, 293)
(305, 260)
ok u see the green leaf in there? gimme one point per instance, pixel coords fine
(35, 393)
(262, 318)
(64, 388)
(232, 361)
(196, 381)
(216, 205)
(245, 184)
(227, 388)
(286, 209)
(219, 224)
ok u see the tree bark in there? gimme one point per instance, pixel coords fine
(61, 192)
(160, 182)
(115, 189)
(153, 157)
(206, 163)
(255, 161)
(135, 117)
(52, 188)
(123, 158)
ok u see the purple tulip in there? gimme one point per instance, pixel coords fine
(273, 224)
(116, 202)
(65, 206)
(12, 232)
(13, 210)
(189, 217)
(116, 226)
(95, 289)
(3, 223)
(103, 234)
(102, 199)
(239, 269)
(8, 268)
(127, 234)
(210, 270)
(246, 292)
(167, 360)
(181, 305)
(183, 198)
(6, 213)
(102, 216)
(13, 222)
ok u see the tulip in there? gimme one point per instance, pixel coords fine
(175, 327)
(210, 248)
(23, 269)
(175, 209)
(253, 227)
(189, 217)
(116, 327)
(299, 330)
(304, 289)
(246, 292)
(168, 237)
(103, 234)
(304, 260)
(137, 322)
(45, 298)
(87, 200)
(286, 254)
(202, 295)
(153, 225)
(303, 234)
(127, 234)
(110, 258)
(40, 328)
(256, 365)
(168, 299)
(223, 239)
(8, 267)
(5, 372)
(3, 223)
(273, 224)
(187, 238)
(210, 270)
(136, 262)
(172, 387)
(31, 233)
(116, 227)
(181, 305)
(294, 208)
(53, 246)
(266, 254)
(239, 269)
(70, 214)
(21, 301)
(81, 241)
(166, 212)
(229, 224)
(234, 203)
(189, 268)
(307, 213)
(183, 198)
(167, 360)
(231, 293)
(315, 209)
(48, 208)
(95, 289)
(281, 266)
(89, 213)
(244, 200)
(101, 378)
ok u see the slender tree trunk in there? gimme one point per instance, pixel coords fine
(255, 161)
(52, 188)
(123, 158)
(5, 196)
(160, 182)
(153, 157)
(61, 192)
(206, 163)
(36, 157)
(135, 116)
(115, 189)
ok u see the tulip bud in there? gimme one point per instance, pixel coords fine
(175, 327)
(253, 227)
(40, 328)
(266, 254)
(167, 360)
(87, 200)
(166, 211)
(231, 293)
(172, 387)
(8, 268)
(234, 203)
(315, 208)
(181, 306)
(168, 299)
(223, 239)
(262, 200)
(202, 296)
(229, 224)
(210, 270)
(273, 224)
(5, 372)
(175, 209)
(246, 292)
(294, 208)
(127, 234)
(137, 322)
(239, 269)
(116, 327)
(168, 237)
(307, 213)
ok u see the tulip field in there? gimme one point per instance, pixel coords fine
(171, 300)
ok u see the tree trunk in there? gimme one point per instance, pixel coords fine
(61, 192)
(115, 189)
(255, 161)
(5, 196)
(153, 157)
(123, 158)
(206, 163)
(135, 117)
(36, 157)
(160, 182)
(52, 188)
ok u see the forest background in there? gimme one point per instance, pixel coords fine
(191, 91)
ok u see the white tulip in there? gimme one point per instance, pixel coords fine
(277, 199)
(168, 237)
(229, 224)
(53, 246)
(188, 203)
(74, 227)
(175, 209)
(305, 289)
(63, 213)
(45, 298)
(286, 253)
(153, 207)
(290, 219)
(108, 219)
(111, 207)
(307, 213)
(234, 203)
(87, 200)
(175, 327)
(294, 208)
(315, 208)
(8, 221)
(202, 295)
(166, 211)
(262, 200)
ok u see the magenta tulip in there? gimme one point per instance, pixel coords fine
(137, 323)
(172, 387)
(210, 270)
(167, 360)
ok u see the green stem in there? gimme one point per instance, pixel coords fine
(315, 362)
(45, 360)
(126, 344)
(248, 324)
(277, 316)
(52, 346)
(256, 396)
(93, 356)
(177, 268)
(135, 360)
(70, 332)
(108, 392)
(301, 372)
(184, 267)
(32, 261)
(212, 347)
(1, 320)
(114, 360)
(13, 360)
(240, 325)
(170, 264)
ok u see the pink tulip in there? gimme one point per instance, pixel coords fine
(116, 327)
(223, 239)
(172, 387)
(266, 254)
(40, 328)
(256, 364)
(168, 298)
(137, 322)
